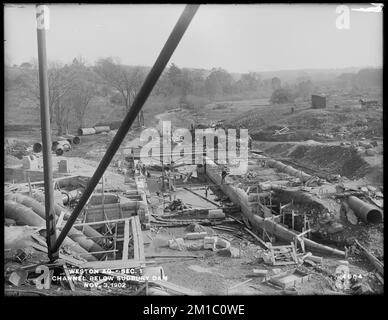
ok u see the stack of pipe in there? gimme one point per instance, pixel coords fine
(62, 146)
(29, 211)
(87, 230)
(71, 139)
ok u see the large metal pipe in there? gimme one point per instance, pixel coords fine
(288, 169)
(100, 129)
(365, 211)
(87, 230)
(140, 99)
(74, 234)
(69, 196)
(26, 216)
(86, 131)
(62, 146)
(38, 195)
(42, 24)
(37, 147)
(62, 138)
(71, 138)
(21, 214)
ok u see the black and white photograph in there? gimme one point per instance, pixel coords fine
(193, 150)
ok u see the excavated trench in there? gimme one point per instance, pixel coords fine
(331, 159)
(302, 205)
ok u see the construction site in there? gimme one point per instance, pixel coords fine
(88, 212)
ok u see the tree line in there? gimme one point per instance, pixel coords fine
(73, 86)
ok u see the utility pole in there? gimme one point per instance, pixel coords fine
(42, 19)
(141, 97)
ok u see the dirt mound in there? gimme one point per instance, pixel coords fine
(316, 119)
(299, 135)
(280, 149)
(253, 122)
(334, 159)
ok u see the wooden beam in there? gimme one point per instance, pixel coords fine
(71, 284)
(256, 237)
(303, 233)
(113, 264)
(138, 242)
(376, 262)
(202, 197)
(60, 219)
(98, 252)
(126, 240)
(99, 222)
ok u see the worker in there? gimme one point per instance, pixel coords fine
(204, 161)
(138, 166)
(144, 170)
(224, 173)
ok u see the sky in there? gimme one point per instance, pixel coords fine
(238, 38)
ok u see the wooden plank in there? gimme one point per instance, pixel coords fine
(99, 222)
(283, 263)
(136, 253)
(282, 247)
(68, 277)
(202, 197)
(126, 240)
(303, 233)
(60, 219)
(240, 284)
(113, 264)
(256, 237)
(380, 278)
(376, 262)
(138, 241)
(98, 252)
(172, 287)
(293, 253)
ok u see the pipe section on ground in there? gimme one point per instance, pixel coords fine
(100, 129)
(69, 196)
(62, 147)
(39, 195)
(21, 214)
(38, 209)
(87, 230)
(86, 131)
(26, 216)
(62, 138)
(365, 211)
(288, 169)
(37, 147)
(71, 138)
